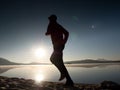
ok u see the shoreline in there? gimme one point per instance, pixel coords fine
(15, 83)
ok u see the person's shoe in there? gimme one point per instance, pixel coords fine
(62, 77)
(69, 84)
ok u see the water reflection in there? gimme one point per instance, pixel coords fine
(39, 78)
(38, 74)
(6, 68)
(86, 73)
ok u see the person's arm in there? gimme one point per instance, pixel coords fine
(48, 30)
(66, 35)
(47, 33)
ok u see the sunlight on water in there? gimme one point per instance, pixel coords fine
(87, 73)
(39, 78)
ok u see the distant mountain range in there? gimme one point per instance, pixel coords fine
(7, 62)
(92, 61)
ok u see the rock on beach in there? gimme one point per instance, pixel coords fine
(14, 83)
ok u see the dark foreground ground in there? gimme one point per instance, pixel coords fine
(29, 84)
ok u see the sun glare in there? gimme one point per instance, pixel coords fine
(40, 52)
(39, 78)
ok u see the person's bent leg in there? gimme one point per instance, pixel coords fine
(56, 59)
(64, 73)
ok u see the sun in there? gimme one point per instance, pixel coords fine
(40, 52)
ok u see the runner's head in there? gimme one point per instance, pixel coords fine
(52, 17)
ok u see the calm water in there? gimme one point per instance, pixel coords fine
(82, 73)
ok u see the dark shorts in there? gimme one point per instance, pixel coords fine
(58, 48)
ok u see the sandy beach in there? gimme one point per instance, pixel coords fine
(29, 84)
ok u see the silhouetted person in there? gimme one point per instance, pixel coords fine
(59, 37)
